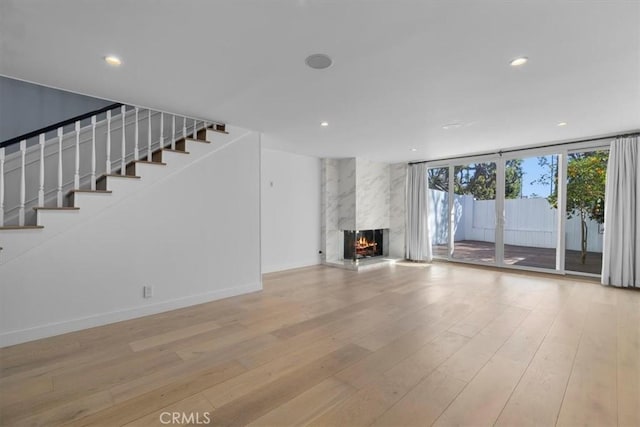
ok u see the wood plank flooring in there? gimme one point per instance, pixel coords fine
(413, 345)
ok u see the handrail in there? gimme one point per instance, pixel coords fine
(55, 126)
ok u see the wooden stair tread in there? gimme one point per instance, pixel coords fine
(219, 131)
(64, 208)
(91, 191)
(150, 163)
(199, 140)
(21, 227)
(117, 175)
(175, 151)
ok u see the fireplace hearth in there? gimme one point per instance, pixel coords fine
(360, 244)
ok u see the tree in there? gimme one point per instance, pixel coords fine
(586, 179)
(439, 179)
(478, 179)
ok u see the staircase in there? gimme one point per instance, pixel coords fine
(36, 202)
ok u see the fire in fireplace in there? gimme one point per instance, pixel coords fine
(363, 244)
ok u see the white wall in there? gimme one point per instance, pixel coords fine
(194, 236)
(291, 210)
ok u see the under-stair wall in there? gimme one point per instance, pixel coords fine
(190, 229)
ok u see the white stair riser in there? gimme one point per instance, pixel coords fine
(57, 219)
(214, 136)
(123, 186)
(151, 173)
(174, 160)
(91, 203)
(198, 148)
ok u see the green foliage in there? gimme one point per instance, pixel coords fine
(439, 179)
(479, 179)
(586, 179)
(513, 179)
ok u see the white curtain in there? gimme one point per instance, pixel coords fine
(418, 238)
(621, 252)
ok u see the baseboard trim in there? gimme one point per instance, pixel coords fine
(290, 266)
(58, 328)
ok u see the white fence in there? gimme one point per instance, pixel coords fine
(528, 222)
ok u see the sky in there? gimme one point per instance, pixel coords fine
(532, 172)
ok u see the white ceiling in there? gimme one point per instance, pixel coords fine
(402, 69)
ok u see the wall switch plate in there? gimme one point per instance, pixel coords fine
(147, 291)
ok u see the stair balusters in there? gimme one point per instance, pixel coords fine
(59, 193)
(161, 130)
(107, 165)
(14, 203)
(23, 190)
(173, 131)
(1, 187)
(149, 136)
(41, 143)
(76, 175)
(123, 144)
(93, 153)
(136, 148)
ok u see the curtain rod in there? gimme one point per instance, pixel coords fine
(515, 150)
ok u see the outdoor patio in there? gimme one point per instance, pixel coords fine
(476, 251)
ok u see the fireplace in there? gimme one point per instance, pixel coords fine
(360, 244)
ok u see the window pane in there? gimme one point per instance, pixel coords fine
(475, 212)
(586, 177)
(531, 214)
(439, 211)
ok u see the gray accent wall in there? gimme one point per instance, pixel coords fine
(25, 107)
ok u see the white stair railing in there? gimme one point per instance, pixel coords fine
(23, 185)
(1, 185)
(36, 172)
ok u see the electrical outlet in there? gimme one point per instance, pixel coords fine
(147, 291)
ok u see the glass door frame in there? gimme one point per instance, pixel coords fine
(500, 159)
(601, 145)
(451, 164)
(560, 217)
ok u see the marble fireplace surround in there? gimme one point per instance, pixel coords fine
(359, 194)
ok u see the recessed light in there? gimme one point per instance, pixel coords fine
(519, 61)
(450, 126)
(112, 60)
(324, 124)
(562, 124)
(318, 61)
(414, 149)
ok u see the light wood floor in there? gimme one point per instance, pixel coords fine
(435, 345)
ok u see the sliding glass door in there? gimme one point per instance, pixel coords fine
(542, 211)
(474, 212)
(439, 211)
(531, 214)
(585, 185)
